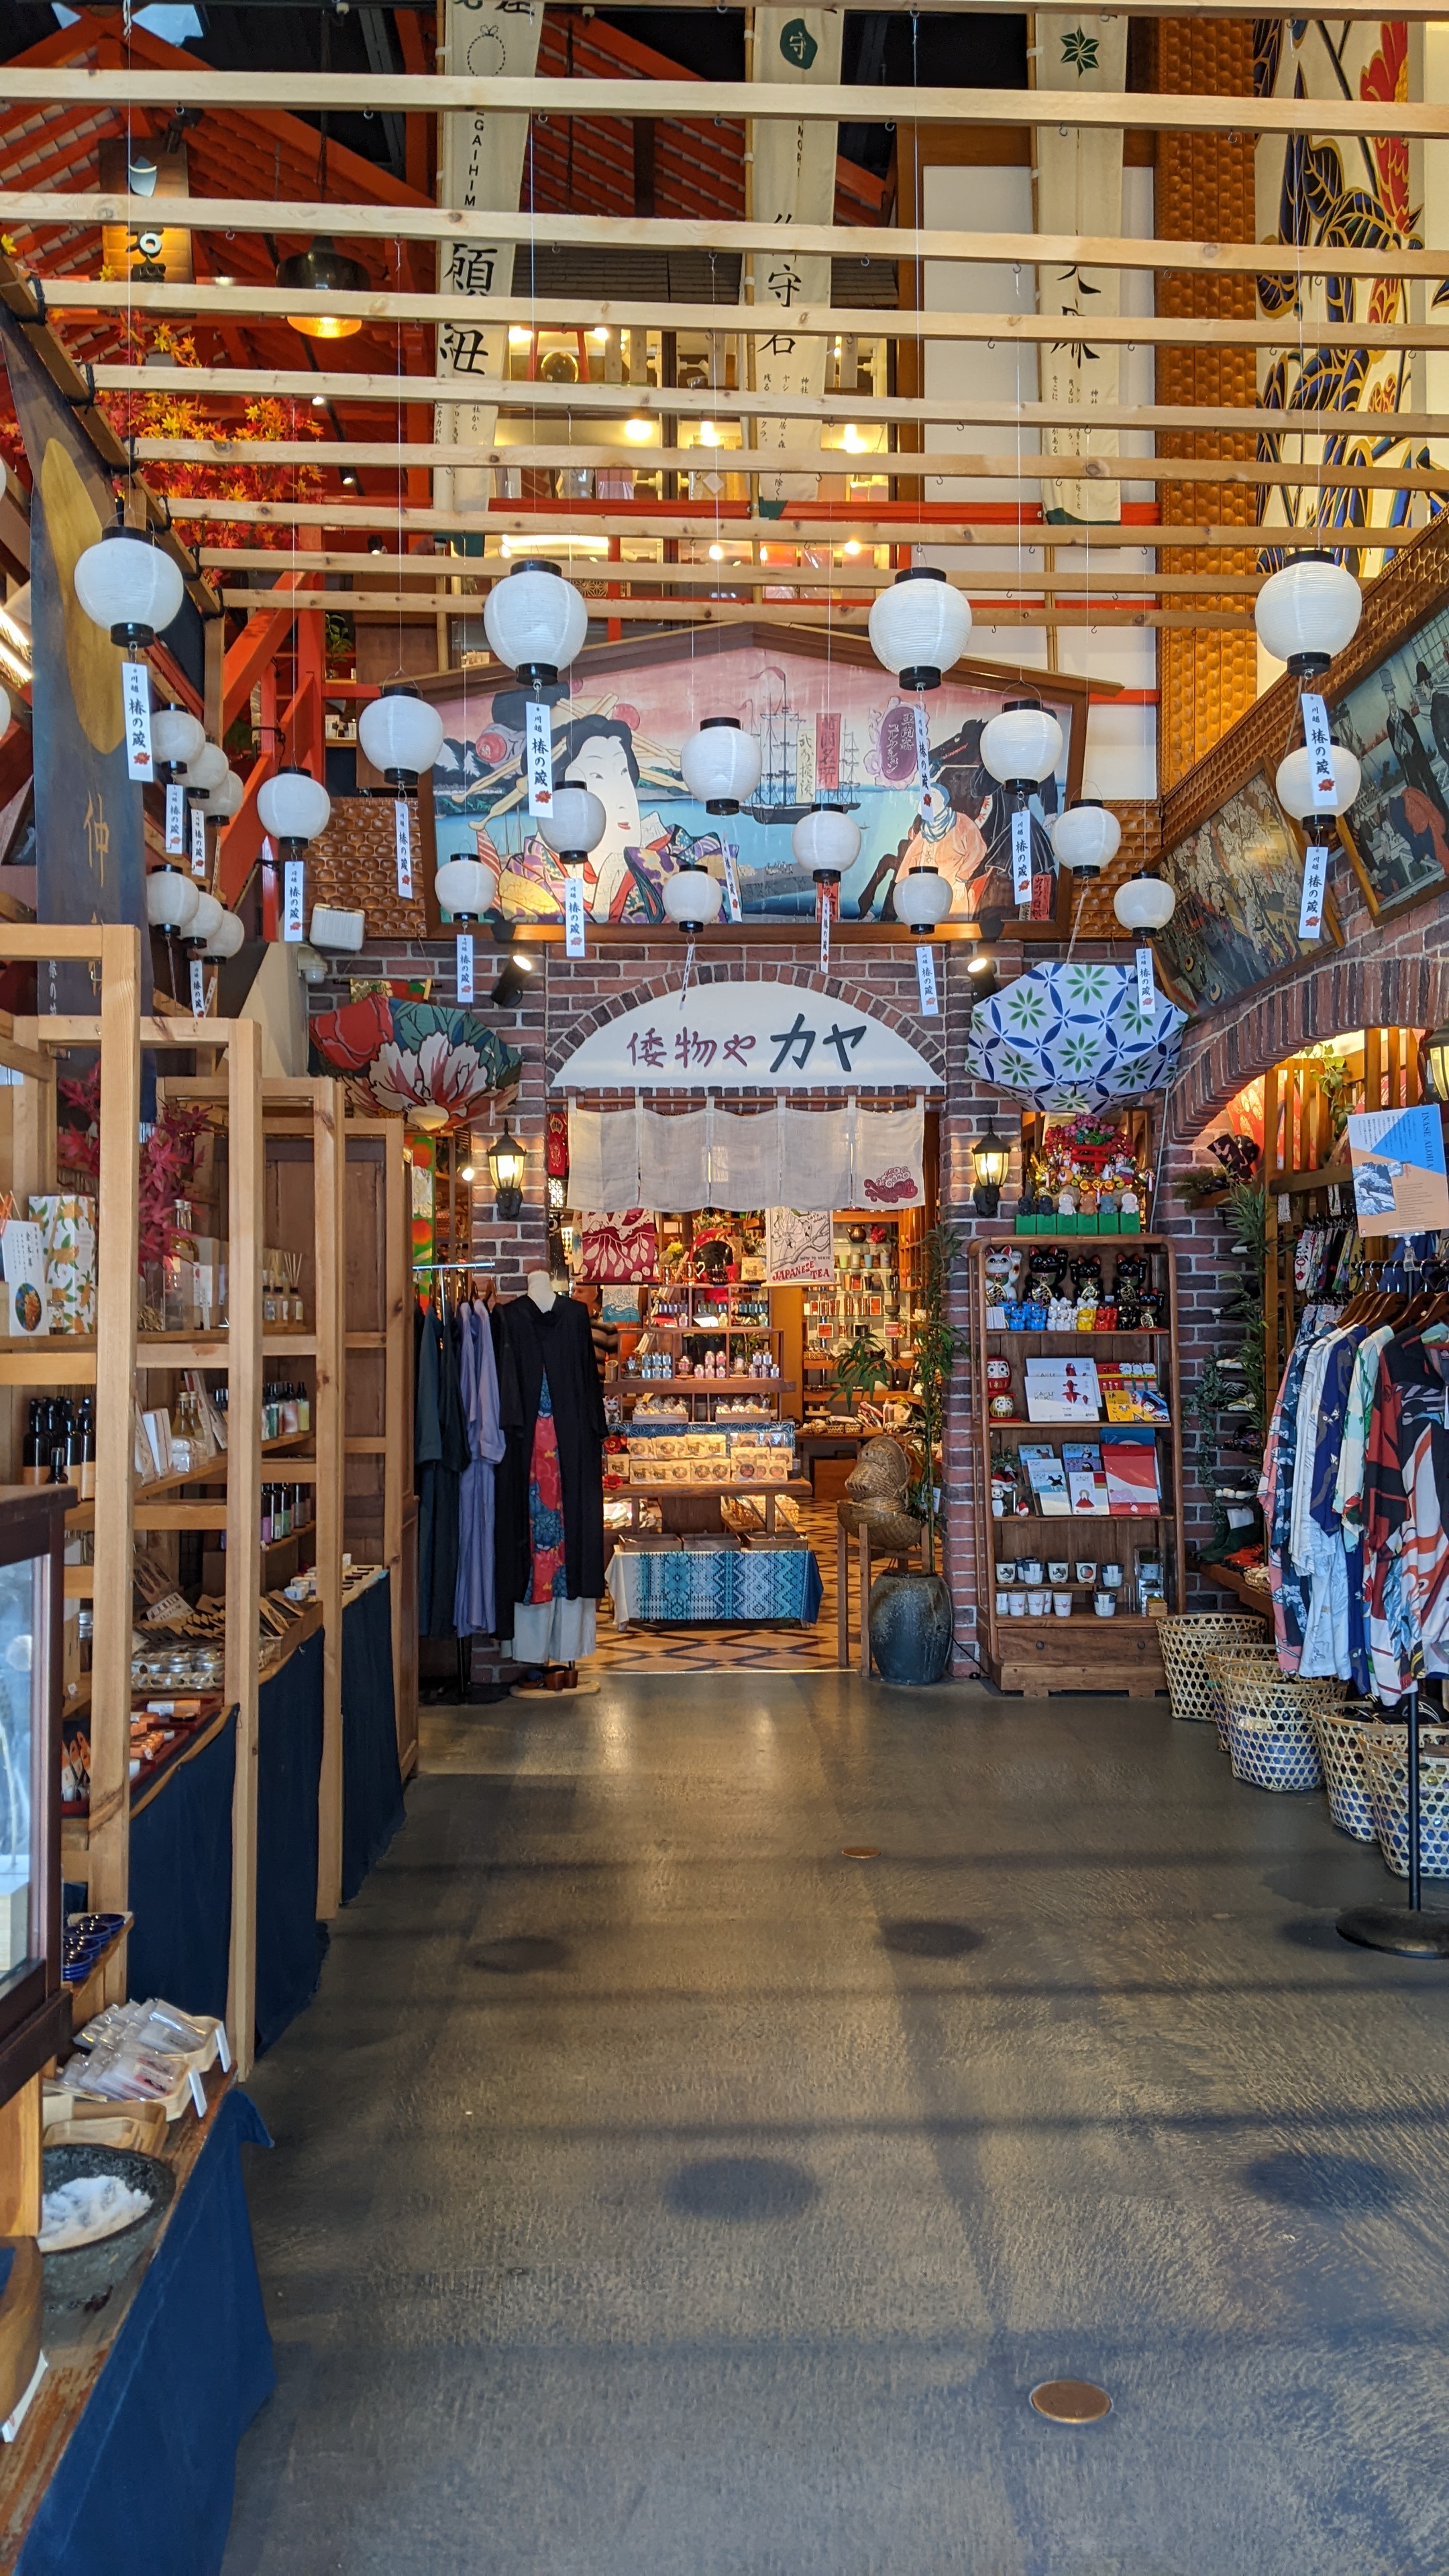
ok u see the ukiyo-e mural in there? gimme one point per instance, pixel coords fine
(836, 730)
(1325, 191)
(1239, 883)
(1397, 720)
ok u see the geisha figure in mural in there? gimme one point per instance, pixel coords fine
(622, 877)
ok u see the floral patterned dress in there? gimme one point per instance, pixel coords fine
(547, 1581)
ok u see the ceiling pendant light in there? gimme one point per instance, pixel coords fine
(1306, 613)
(1022, 745)
(206, 920)
(1144, 903)
(176, 737)
(227, 937)
(1295, 789)
(293, 807)
(401, 734)
(204, 772)
(692, 898)
(922, 897)
(465, 889)
(172, 900)
(575, 827)
(535, 621)
(322, 269)
(919, 627)
(224, 801)
(826, 842)
(129, 585)
(721, 764)
(1087, 837)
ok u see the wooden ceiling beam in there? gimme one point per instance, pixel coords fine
(727, 576)
(735, 612)
(683, 100)
(651, 402)
(1131, 330)
(693, 518)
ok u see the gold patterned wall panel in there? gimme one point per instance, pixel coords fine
(1205, 192)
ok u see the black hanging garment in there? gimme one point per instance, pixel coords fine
(556, 1347)
(440, 1454)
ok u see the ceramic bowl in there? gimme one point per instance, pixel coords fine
(81, 2273)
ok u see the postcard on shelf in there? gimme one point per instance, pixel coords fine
(1048, 1482)
(1087, 1491)
(1062, 1390)
(22, 1257)
(1131, 1472)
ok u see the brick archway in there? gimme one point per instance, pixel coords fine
(1369, 986)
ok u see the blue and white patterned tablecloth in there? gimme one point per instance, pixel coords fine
(720, 1584)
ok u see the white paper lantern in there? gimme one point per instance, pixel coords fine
(1307, 612)
(129, 585)
(1087, 837)
(826, 841)
(922, 898)
(1023, 744)
(1144, 903)
(721, 764)
(206, 919)
(1294, 783)
(919, 627)
(227, 937)
(224, 801)
(204, 771)
(692, 898)
(172, 900)
(400, 734)
(293, 806)
(465, 888)
(176, 737)
(535, 621)
(576, 825)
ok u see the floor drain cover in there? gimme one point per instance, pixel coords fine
(860, 1851)
(1071, 2401)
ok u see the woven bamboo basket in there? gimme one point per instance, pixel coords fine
(1184, 1642)
(1386, 1763)
(1270, 1724)
(1343, 1736)
(1215, 1658)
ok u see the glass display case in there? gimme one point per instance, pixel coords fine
(34, 2006)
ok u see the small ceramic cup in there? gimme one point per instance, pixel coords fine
(1086, 1571)
(1105, 1605)
(1018, 1605)
(1062, 1604)
(1003, 1605)
(1058, 1570)
(1038, 1604)
(1031, 1569)
(1111, 1578)
(1006, 1570)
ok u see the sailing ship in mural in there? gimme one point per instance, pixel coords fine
(834, 731)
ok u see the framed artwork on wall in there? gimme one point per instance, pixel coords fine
(1239, 882)
(1396, 720)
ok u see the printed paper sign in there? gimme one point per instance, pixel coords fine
(175, 820)
(923, 749)
(1315, 888)
(538, 753)
(403, 836)
(1021, 858)
(294, 898)
(1146, 989)
(734, 909)
(574, 945)
(198, 989)
(799, 1248)
(198, 841)
(926, 982)
(1399, 1181)
(1320, 751)
(825, 931)
(136, 714)
(465, 965)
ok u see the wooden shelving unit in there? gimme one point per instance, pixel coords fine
(1082, 1652)
(380, 1508)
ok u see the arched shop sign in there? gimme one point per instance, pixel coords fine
(769, 1037)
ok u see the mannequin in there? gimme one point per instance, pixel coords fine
(550, 1484)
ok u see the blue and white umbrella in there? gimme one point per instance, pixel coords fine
(1072, 1037)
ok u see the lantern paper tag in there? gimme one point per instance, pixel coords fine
(824, 932)
(1320, 750)
(175, 820)
(403, 836)
(1146, 989)
(734, 909)
(926, 983)
(574, 915)
(294, 898)
(538, 753)
(1021, 858)
(465, 965)
(136, 713)
(198, 841)
(198, 989)
(1315, 888)
(923, 750)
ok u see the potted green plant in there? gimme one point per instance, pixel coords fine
(910, 1611)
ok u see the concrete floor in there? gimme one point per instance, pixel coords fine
(658, 2193)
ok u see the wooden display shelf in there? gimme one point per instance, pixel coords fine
(1068, 1333)
(213, 1471)
(706, 1491)
(698, 1385)
(1080, 1652)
